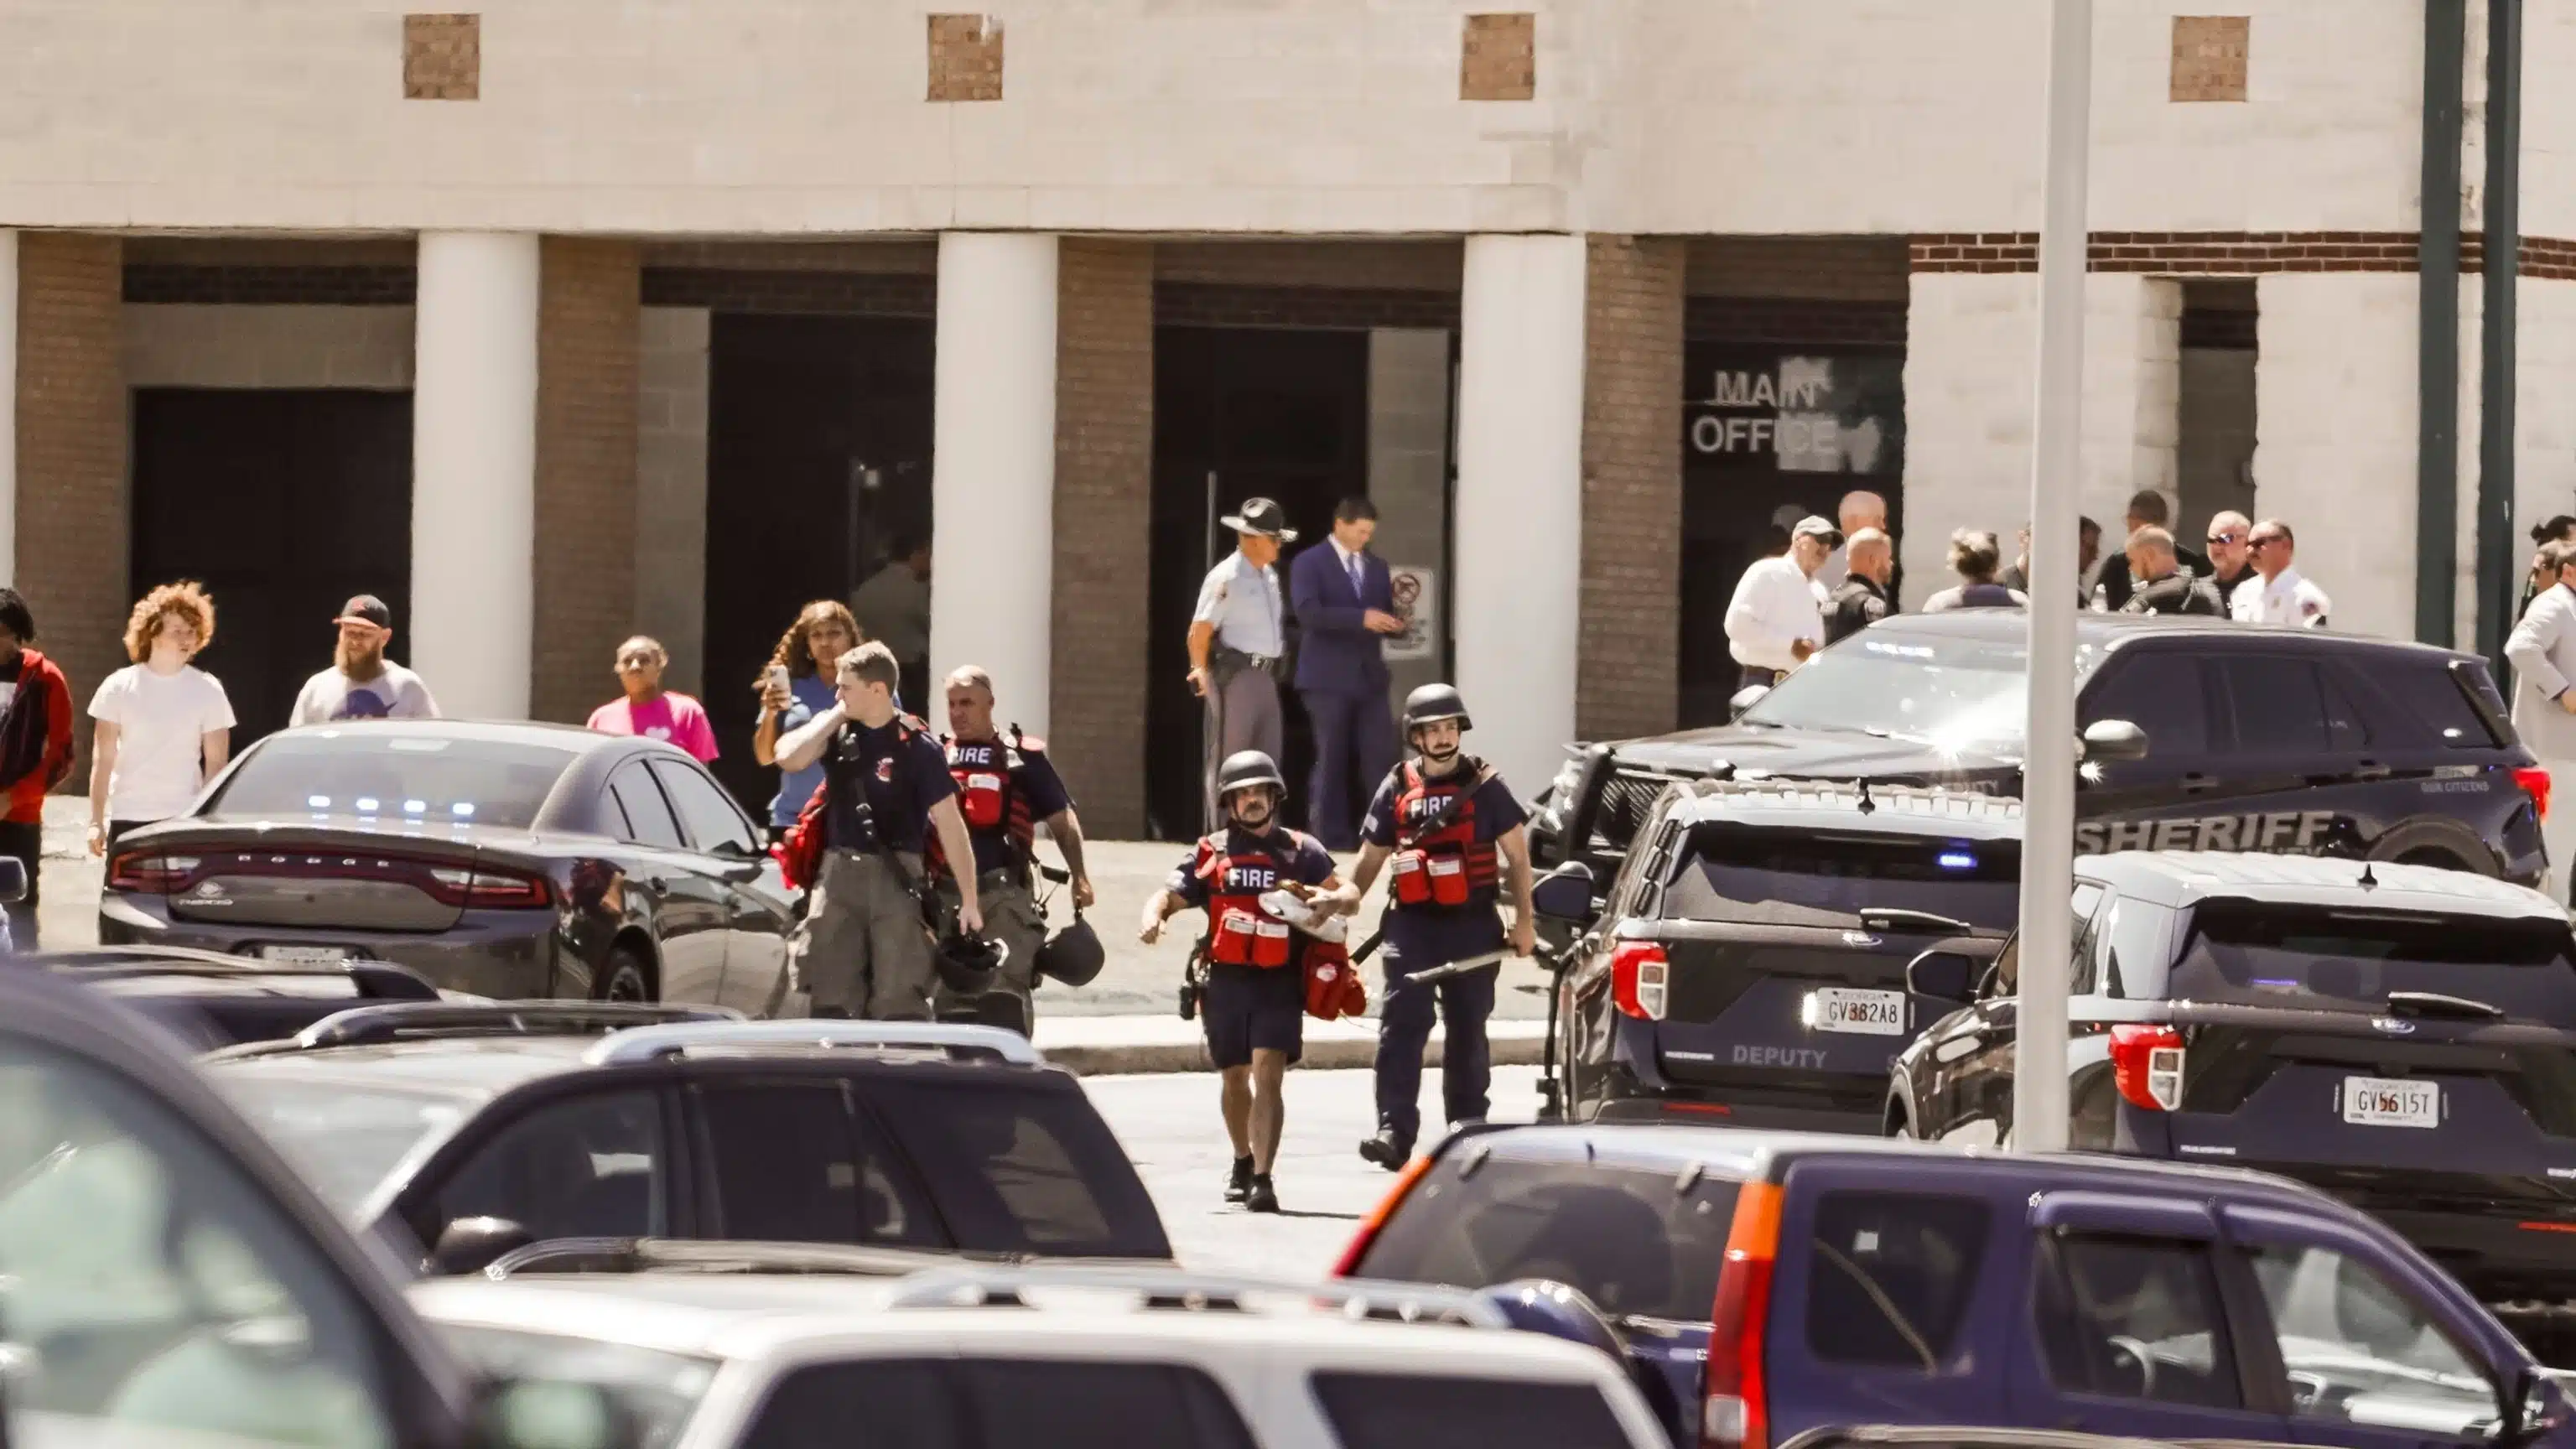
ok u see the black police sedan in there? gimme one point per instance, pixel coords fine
(2256, 739)
(2400, 1037)
(506, 860)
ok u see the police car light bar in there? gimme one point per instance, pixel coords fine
(652, 1043)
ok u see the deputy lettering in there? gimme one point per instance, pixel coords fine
(1771, 1056)
(2286, 831)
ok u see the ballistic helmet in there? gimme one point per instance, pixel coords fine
(1244, 769)
(1433, 703)
(968, 964)
(1072, 955)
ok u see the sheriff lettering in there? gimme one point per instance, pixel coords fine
(2286, 831)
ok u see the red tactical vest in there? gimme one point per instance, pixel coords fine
(1438, 859)
(989, 794)
(1240, 933)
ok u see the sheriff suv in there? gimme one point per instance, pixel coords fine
(2254, 739)
(1751, 964)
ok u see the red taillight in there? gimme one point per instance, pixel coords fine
(2535, 783)
(1736, 1413)
(153, 874)
(2146, 1065)
(1375, 1222)
(486, 889)
(1640, 975)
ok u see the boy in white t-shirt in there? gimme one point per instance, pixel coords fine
(164, 726)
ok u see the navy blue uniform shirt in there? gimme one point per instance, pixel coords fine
(1496, 811)
(902, 781)
(1035, 779)
(1303, 856)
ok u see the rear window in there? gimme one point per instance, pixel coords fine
(2433, 693)
(1023, 1167)
(1404, 1411)
(1891, 1275)
(1637, 1241)
(2266, 954)
(373, 774)
(1827, 878)
(998, 1404)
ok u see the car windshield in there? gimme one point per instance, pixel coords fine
(345, 1140)
(660, 1389)
(394, 778)
(2268, 954)
(1948, 693)
(1782, 877)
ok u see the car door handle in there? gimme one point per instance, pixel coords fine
(2370, 770)
(2195, 783)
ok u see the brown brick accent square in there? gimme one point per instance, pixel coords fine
(1498, 60)
(1628, 679)
(965, 58)
(589, 361)
(2209, 57)
(442, 57)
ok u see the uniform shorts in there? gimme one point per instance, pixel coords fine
(1253, 1008)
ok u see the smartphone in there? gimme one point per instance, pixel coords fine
(777, 677)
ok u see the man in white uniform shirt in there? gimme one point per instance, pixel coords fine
(1775, 619)
(2542, 649)
(2276, 594)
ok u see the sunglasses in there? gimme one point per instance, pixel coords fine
(2265, 542)
(2227, 538)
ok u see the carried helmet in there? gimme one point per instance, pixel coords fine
(968, 964)
(1073, 955)
(1244, 769)
(1433, 703)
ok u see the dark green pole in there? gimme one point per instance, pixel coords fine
(2496, 371)
(2437, 367)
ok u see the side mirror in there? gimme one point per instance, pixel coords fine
(1946, 975)
(1565, 893)
(554, 1414)
(470, 1245)
(13, 880)
(1744, 699)
(2112, 741)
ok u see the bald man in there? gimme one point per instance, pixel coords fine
(1862, 599)
(1859, 509)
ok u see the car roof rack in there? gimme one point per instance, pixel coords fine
(957, 1039)
(1360, 1299)
(427, 1020)
(375, 980)
(681, 1255)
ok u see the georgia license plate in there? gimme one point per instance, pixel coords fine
(305, 955)
(1869, 1013)
(2385, 1102)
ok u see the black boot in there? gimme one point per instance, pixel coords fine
(1238, 1182)
(1387, 1149)
(1263, 1198)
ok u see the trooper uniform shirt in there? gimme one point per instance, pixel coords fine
(901, 779)
(1856, 605)
(2176, 593)
(1032, 778)
(2287, 599)
(1242, 600)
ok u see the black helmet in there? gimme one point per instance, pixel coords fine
(1433, 703)
(1072, 955)
(968, 964)
(1244, 769)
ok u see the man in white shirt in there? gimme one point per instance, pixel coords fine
(2543, 651)
(2276, 594)
(1774, 621)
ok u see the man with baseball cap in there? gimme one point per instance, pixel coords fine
(1237, 635)
(361, 682)
(1776, 618)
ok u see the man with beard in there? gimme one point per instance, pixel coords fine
(361, 682)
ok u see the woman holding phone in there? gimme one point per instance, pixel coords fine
(795, 687)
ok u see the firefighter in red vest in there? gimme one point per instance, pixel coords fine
(1452, 831)
(1005, 790)
(1255, 1003)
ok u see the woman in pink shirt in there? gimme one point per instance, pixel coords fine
(650, 710)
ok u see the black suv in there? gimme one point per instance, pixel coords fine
(2400, 1037)
(1750, 967)
(465, 1132)
(2262, 739)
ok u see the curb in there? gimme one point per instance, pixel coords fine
(1330, 1054)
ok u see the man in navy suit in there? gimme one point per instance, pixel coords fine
(1345, 605)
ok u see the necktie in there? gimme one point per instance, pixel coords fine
(1356, 591)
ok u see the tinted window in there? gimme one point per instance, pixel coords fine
(648, 816)
(791, 1167)
(2133, 939)
(1402, 1411)
(1942, 690)
(577, 1167)
(1890, 1276)
(703, 808)
(2360, 1350)
(2160, 694)
(2429, 689)
(371, 772)
(1019, 1167)
(2276, 706)
(2242, 951)
(1826, 878)
(896, 1403)
(1100, 1405)
(2135, 1318)
(2088, 943)
(1632, 1238)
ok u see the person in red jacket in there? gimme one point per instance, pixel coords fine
(35, 749)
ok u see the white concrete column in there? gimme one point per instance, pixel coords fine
(474, 473)
(8, 407)
(2334, 454)
(1519, 527)
(992, 475)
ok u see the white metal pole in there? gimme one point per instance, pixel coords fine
(2048, 762)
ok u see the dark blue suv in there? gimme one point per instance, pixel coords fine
(1770, 1284)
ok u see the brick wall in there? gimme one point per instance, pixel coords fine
(1632, 487)
(74, 543)
(1104, 459)
(1844, 268)
(588, 341)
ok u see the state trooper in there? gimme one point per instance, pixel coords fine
(1237, 634)
(1243, 875)
(1005, 788)
(1451, 829)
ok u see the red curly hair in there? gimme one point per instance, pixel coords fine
(187, 600)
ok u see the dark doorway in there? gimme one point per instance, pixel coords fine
(1238, 413)
(283, 504)
(818, 464)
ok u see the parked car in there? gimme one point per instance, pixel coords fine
(461, 1132)
(1782, 1283)
(2200, 734)
(1749, 963)
(1068, 1358)
(210, 1000)
(505, 860)
(2402, 1037)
